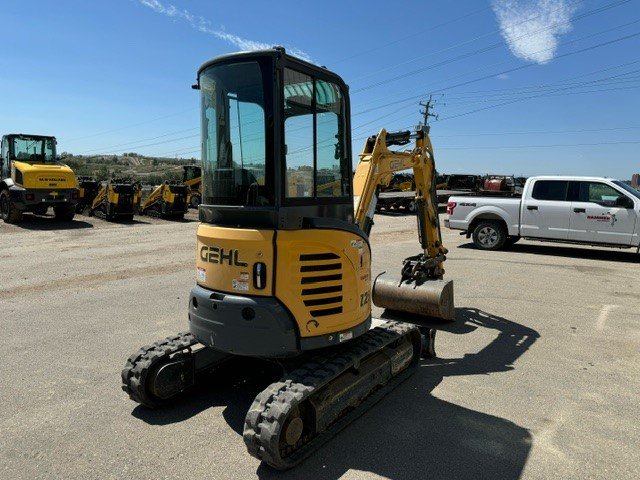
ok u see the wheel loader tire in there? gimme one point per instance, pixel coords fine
(489, 235)
(195, 201)
(64, 214)
(40, 209)
(8, 212)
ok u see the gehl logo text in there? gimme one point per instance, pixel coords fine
(220, 256)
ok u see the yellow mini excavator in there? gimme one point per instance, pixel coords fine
(168, 200)
(116, 200)
(32, 179)
(283, 263)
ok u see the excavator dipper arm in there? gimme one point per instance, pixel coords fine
(415, 291)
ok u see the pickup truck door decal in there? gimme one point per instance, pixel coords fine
(595, 216)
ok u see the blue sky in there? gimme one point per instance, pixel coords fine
(522, 86)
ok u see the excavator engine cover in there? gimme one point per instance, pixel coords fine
(431, 298)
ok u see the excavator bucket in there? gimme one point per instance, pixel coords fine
(431, 298)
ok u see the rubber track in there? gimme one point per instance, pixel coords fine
(266, 417)
(135, 372)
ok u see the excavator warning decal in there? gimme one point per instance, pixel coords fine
(201, 274)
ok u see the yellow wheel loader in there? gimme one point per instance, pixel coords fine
(192, 178)
(116, 200)
(168, 200)
(32, 179)
(283, 262)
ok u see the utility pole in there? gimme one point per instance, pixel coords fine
(426, 113)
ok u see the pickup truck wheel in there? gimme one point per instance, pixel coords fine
(489, 235)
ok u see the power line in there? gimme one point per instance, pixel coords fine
(541, 132)
(501, 147)
(106, 149)
(511, 70)
(430, 29)
(130, 126)
(163, 142)
(490, 47)
(507, 103)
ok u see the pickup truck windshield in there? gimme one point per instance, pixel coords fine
(628, 188)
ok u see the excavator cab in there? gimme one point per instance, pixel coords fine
(270, 148)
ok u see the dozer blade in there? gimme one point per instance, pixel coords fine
(431, 298)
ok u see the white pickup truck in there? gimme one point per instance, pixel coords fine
(586, 210)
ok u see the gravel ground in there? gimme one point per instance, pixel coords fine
(537, 378)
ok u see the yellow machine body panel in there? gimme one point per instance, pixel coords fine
(154, 196)
(323, 278)
(137, 195)
(44, 176)
(195, 184)
(225, 259)
(106, 194)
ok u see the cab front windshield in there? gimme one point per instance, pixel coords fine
(33, 149)
(234, 133)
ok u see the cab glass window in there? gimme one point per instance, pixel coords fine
(234, 135)
(600, 193)
(550, 190)
(314, 132)
(298, 134)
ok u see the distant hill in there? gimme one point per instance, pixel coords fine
(148, 170)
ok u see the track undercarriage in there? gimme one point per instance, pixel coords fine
(318, 395)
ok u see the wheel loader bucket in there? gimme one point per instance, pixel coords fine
(432, 298)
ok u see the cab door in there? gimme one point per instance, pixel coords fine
(601, 214)
(545, 211)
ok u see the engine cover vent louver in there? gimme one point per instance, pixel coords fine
(319, 272)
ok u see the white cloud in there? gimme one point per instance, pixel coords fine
(203, 25)
(531, 27)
